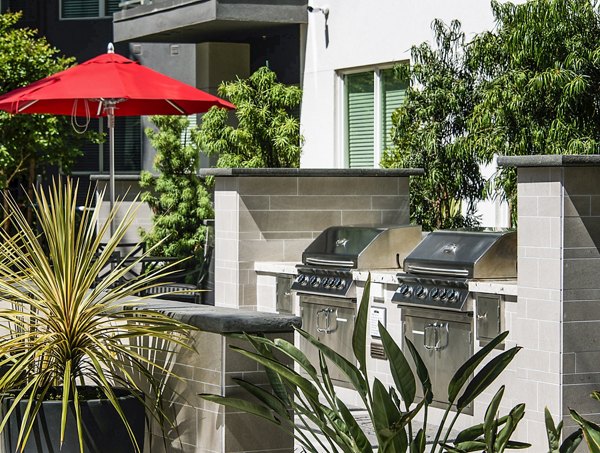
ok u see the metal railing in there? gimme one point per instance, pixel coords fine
(126, 4)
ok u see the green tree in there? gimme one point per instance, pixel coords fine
(267, 133)
(179, 199)
(30, 142)
(540, 82)
(429, 128)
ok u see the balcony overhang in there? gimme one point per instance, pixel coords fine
(195, 21)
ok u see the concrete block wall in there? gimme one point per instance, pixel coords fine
(210, 366)
(581, 292)
(274, 218)
(204, 427)
(535, 322)
(557, 317)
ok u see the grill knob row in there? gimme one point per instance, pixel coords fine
(323, 282)
(436, 294)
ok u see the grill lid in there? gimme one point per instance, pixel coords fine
(362, 247)
(467, 254)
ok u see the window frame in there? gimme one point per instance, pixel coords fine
(102, 149)
(378, 120)
(102, 13)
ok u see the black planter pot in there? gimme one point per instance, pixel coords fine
(103, 429)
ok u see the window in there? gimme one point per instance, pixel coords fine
(88, 9)
(128, 149)
(370, 99)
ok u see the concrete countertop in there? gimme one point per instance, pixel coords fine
(550, 160)
(224, 320)
(505, 287)
(319, 172)
(276, 267)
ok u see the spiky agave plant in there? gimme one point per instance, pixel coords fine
(61, 327)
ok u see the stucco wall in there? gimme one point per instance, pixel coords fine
(364, 33)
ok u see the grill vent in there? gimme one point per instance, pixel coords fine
(377, 351)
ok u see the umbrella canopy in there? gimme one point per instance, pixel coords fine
(109, 85)
(84, 90)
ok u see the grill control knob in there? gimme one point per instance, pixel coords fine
(341, 284)
(453, 296)
(405, 290)
(328, 282)
(421, 292)
(312, 280)
(435, 293)
(335, 282)
(301, 279)
(443, 294)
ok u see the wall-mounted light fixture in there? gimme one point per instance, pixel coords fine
(325, 11)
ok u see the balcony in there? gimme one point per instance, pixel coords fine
(195, 21)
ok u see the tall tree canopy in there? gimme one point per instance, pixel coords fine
(28, 142)
(540, 82)
(428, 130)
(267, 133)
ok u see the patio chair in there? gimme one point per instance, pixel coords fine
(187, 292)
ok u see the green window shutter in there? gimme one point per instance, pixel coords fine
(112, 6)
(360, 120)
(393, 92)
(128, 145)
(72, 9)
(186, 135)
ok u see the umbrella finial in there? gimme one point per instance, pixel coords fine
(111, 48)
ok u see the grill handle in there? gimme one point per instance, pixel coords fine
(325, 312)
(326, 262)
(436, 270)
(436, 336)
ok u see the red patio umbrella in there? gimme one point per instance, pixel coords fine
(109, 85)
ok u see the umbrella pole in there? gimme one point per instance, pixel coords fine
(110, 112)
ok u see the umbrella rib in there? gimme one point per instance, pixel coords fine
(27, 105)
(175, 106)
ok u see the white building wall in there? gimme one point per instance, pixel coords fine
(362, 33)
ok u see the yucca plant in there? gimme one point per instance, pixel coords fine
(62, 328)
(303, 403)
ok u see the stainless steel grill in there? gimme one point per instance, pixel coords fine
(437, 307)
(325, 284)
(329, 260)
(438, 270)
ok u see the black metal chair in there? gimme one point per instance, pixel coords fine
(176, 286)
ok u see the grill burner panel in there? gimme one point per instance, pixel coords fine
(325, 282)
(444, 294)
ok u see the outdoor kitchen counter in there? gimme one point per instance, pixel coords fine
(388, 276)
(224, 320)
(276, 267)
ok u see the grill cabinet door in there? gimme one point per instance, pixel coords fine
(331, 321)
(443, 340)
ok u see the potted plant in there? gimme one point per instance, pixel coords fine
(75, 349)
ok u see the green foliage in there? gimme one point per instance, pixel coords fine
(179, 199)
(588, 431)
(428, 130)
(540, 74)
(61, 326)
(297, 401)
(267, 132)
(28, 142)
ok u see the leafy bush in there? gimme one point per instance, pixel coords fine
(296, 402)
(267, 133)
(179, 199)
